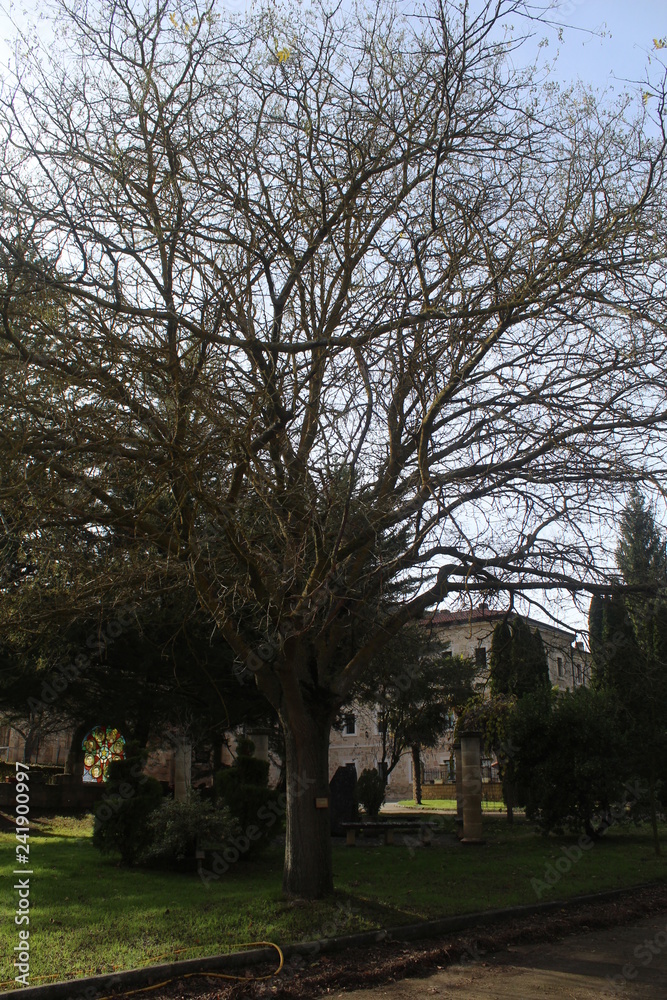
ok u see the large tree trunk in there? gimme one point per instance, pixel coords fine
(509, 796)
(654, 816)
(31, 746)
(417, 772)
(308, 871)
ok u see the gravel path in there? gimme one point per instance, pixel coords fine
(624, 962)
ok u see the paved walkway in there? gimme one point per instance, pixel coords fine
(627, 963)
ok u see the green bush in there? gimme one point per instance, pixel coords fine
(175, 827)
(371, 791)
(568, 761)
(244, 789)
(122, 817)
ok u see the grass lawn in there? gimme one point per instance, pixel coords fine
(88, 915)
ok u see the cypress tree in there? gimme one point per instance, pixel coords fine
(500, 659)
(631, 658)
(518, 661)
(596, 613)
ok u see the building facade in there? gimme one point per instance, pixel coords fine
(468, 634)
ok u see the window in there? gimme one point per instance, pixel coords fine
(486, 768)
(480, 656)
(350, 725)
(559, 665)
(100, 747)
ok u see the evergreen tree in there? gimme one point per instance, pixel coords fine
(518, 662)
(500, 659)
(596, 614)
(518, 667)
(641, 555)
(629, 648)
(567, 758)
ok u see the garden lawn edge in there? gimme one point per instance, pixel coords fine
(99, 987)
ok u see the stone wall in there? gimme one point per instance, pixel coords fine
(54, 799)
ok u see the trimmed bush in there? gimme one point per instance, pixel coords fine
(371, 791)
(244, 789)
(175, 827)
(122, 817)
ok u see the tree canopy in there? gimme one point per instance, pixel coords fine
(305, 304)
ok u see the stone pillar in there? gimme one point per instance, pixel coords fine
(458, 777)
(182, 769)
(471, 767)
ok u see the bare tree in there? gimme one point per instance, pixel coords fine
(331, 300)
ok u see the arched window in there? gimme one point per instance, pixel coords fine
(100, 747)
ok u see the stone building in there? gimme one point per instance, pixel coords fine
(469, 635)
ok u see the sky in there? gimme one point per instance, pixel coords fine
(601, 61)
(607, 43)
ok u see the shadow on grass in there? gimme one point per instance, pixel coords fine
(38, 826)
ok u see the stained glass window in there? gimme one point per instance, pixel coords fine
(100, 747)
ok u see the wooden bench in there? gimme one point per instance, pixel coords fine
(386, 830)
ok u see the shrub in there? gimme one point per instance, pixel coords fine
(568, 761)
(371, 791)
(173, 830)
(244, 789)
(122, 817)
